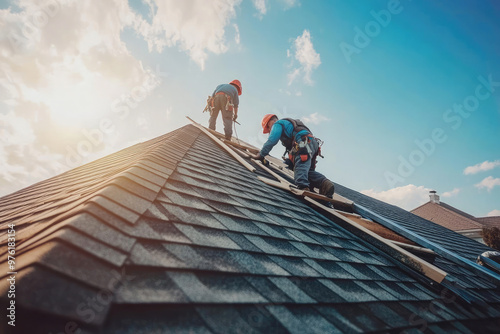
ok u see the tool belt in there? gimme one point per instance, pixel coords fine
(229, 104)
(304, 150)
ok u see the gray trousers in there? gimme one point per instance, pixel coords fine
(220, 102)
(303, 175)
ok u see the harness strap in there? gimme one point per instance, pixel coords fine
(229, 105)
(304, 150)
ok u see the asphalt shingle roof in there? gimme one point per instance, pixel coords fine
(173, 235)
(447, 216)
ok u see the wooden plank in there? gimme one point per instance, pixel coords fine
(349, 214)
(242, 146)
(385, 245)
(241, 153)
(305, 193)
(277, 165)
(379, 229)
(412, 247)
(449, 255)
(273, 183)
(215, 133)
(279, 177)
(400, 254)
(224, 146)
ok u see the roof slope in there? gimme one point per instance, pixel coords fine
(174, 235)
(447, 216)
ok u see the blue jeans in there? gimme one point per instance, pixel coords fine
(303, 175)
(220, 102)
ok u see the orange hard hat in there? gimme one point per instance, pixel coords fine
(265, 121)
(237, 84)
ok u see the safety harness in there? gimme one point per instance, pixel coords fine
(211, 100)
(303, 147)
(229, 104)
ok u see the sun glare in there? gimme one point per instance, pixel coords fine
(80, 98)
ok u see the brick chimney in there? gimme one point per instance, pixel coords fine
(434, 197)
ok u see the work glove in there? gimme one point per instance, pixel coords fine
(288, 163)
(261, 158)
(235, 116)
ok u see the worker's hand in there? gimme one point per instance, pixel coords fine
(257, 156)
(235, 116)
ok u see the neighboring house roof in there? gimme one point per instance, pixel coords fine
(489, 221)
(447, 216)
(174, 235)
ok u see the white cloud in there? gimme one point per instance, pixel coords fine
(260, 5)
(488, 183)
(236, 33)
(293, 75)
(451, 193)
(407, 197)
(481, 167)
(290, 3)
(307, 57)
(493, 213)
(314, 118)
(195, 26)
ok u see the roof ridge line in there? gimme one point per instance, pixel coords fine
(421, 205)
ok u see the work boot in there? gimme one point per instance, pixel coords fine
(327, 188)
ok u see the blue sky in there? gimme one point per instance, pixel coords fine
(372, 78)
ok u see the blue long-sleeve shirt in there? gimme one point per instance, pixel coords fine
(229, 90)
(277, 131)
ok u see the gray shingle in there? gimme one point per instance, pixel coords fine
(349, 290)
(295, 266)
(207, 237)
(258, 264)
(146, 287)
(210, 288)
(155, 255)
(274, 246)
(303, 320)
(291, 290)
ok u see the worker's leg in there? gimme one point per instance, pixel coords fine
(213, 118)
(318, 180)
(301, 172)
(219, 105)
(227, 118)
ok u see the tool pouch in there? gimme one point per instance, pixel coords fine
(229, 105)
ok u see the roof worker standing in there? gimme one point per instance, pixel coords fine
(302, 148)
(225, 99)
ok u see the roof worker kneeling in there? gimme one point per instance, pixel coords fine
(302, 148)
(225, 99)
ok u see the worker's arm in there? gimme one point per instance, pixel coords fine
(273, 139)
(235, 115)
